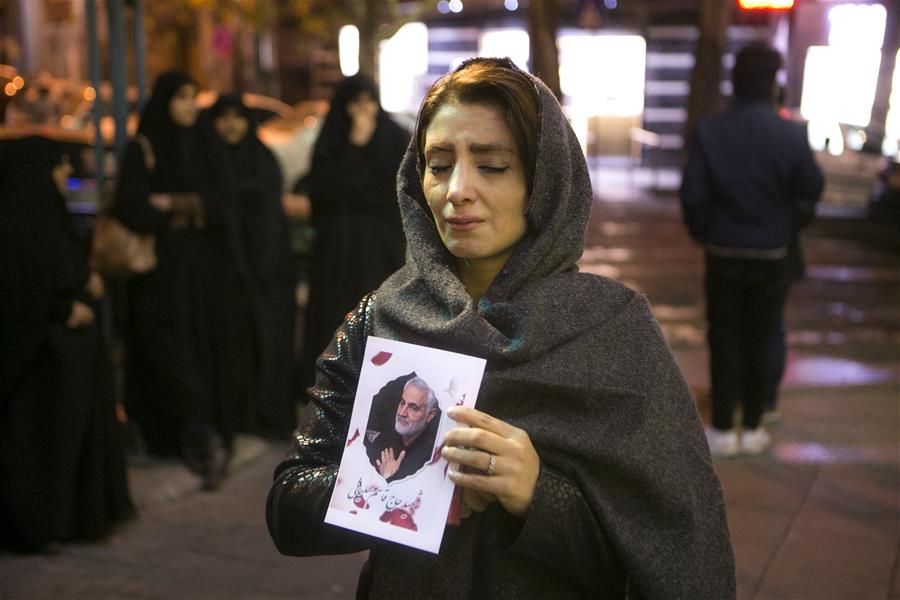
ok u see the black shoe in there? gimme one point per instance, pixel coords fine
(216, 468)
(205, 454)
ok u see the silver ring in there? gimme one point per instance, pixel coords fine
(491, 465)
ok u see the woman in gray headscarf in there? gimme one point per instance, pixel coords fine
(587, 473)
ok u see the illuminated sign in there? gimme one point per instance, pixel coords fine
(766, 4)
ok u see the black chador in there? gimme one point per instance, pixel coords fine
(359, 235)
(255, 258)
(62, 467)
(181, 391)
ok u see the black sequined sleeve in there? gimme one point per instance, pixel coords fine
(299, 497)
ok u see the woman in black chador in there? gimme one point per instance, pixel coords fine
(182, 392)
(245, 181)
(352, 188)
(62, 468)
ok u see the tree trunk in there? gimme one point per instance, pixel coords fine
(876, 127)
(705, 94)
(368, 40)
(543, 16)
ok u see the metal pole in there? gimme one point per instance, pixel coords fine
(118, 75)
(97, 108)
(140, 52)
(106, 304)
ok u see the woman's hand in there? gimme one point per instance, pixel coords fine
(82, 315)
(95, 286)
(161, 202)
(508, 463)
(474, 501)
(187, 209)
(188, 204)
(296, 206)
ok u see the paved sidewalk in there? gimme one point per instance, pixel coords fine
(186, 543)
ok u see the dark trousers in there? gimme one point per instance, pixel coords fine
(778, 361)
(744, 302)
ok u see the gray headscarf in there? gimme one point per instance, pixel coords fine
(426, 298)
(579, 362)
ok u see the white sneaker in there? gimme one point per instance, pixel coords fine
(755, 441)
(722, 444)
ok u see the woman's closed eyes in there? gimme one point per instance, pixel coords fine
(489, 169)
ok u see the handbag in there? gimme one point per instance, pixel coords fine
(118, 251)
(115, 249)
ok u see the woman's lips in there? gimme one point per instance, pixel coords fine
(463, 223)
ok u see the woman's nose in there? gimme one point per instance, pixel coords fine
(460, 188)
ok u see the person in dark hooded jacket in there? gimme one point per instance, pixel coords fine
(586, 472)
(359, 237)
(62, 465)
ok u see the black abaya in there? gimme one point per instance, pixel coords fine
(62, 469)
(181, 386)
(246, 183)
(359, 236)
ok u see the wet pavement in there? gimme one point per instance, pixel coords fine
(817, 517)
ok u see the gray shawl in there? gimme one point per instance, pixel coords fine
(579, 362)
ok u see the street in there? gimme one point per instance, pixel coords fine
(814, 518)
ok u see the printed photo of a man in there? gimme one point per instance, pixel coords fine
(402, 427)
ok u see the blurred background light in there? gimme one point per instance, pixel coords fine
(18, 82)
(856, 25)
(513, 43)
(456, 6)
(10, 89)
(603, 74)
(856, 139)
(443, 7)
(839, 84)
(348, 50)
(402, 58)
(511, 5)
(602, 79)
(825, 135)
(610, 4)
